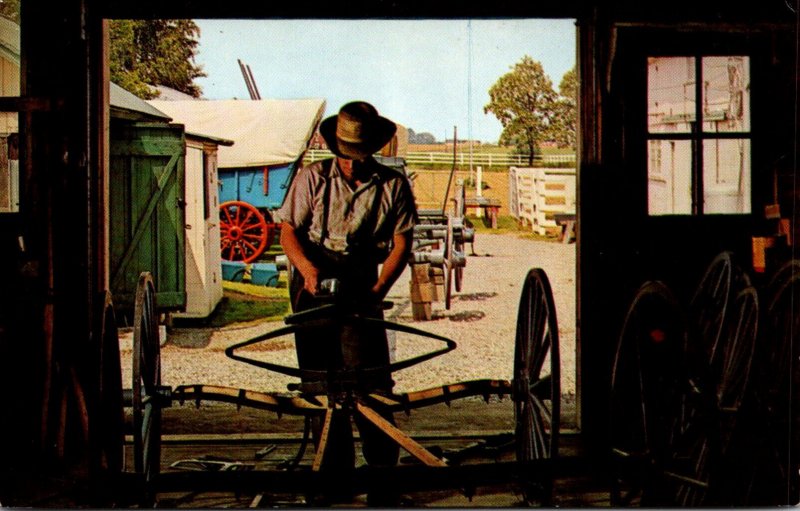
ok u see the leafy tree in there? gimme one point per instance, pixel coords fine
(420, 138)
(145, 53)
(566, 118)
(523, 100)
(9, 9)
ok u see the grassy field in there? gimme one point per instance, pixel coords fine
(244, 303)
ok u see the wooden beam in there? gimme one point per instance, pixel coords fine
(403, 440)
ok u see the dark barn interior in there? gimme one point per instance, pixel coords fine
(60, 421)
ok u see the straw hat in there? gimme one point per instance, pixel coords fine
(357, 131)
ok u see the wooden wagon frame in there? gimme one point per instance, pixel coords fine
(534, 390)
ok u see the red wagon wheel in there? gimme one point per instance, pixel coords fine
(244, 231)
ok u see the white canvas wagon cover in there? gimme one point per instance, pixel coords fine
(264, 131)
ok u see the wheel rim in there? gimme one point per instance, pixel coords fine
(537, 387)
(737, 355)
(779, 375)
(459, 271)
(647, 406)
(448, 263)
(107, 444)
(146, 370)
(244, 232)
(710, 302)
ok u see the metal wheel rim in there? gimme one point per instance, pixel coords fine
(107, 428)
(738, 352)
(459, 271)
(537, 423)
(146, 369)
(648, 411)
(244, 232)
(780, 373)
(448, 264)
(710, 301)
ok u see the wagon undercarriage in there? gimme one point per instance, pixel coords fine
(341, 395)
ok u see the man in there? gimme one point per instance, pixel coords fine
(352, 219)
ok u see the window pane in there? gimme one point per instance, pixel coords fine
(670, 94)
(726, 94)
(726, 176)
(9, 121)
(669, 177)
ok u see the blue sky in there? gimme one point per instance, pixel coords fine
(416, 72)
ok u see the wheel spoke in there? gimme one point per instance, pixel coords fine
(538, 390)
(228, 220)
(146, 380)
(245, 224)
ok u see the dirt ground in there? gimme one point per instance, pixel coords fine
(482, 321)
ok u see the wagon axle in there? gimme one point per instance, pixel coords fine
(535, 390)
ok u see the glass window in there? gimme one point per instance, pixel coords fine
(726, 176)
(9, 121)
(670, 94)
(698, 169)
(669, 180)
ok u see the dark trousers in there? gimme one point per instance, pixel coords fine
(347, 346)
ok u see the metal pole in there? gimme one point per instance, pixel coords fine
(452, 170)
(257, 95)
(246, 79)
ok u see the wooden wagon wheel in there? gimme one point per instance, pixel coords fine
(458, 247)
(778, 467)
(537, 380)
(146, 381)
(737, 355)
(720, 455)
(647, 397)
(704, 450)
(709, 303)
(448, 264)
(106, 428)
(244, 231)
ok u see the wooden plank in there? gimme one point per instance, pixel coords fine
(5, 177)
(145, 219)
(422, 292)
(403, 440)
(323, 441)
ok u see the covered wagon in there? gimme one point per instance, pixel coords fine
(270, 138)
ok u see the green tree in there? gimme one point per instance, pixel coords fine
(9, 9)
(523, 100)
(145, 53)
(565, 130)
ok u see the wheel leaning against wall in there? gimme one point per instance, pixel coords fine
(146, 369)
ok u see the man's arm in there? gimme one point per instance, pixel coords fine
(394, 264)
(294, 251)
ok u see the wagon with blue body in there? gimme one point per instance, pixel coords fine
(270, 139)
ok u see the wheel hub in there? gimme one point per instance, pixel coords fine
(235, 233)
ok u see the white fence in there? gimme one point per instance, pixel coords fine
(483, 159)
(536, 195)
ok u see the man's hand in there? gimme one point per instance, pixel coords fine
(294, 251)
(393, 265)
(310, 279)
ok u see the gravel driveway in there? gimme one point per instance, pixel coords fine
(482, 320)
